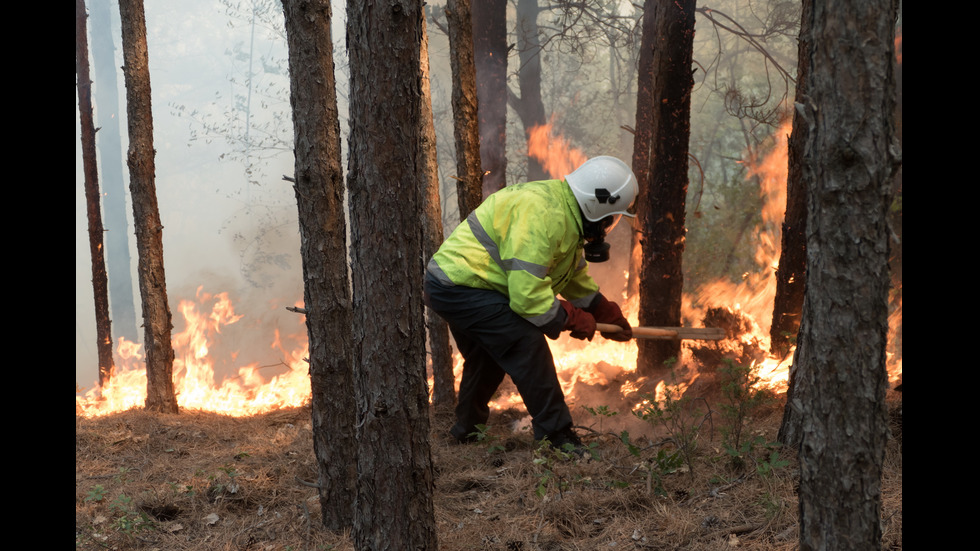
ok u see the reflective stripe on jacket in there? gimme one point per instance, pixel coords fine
(524, 241)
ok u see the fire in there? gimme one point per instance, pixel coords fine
(601, 364)
(195, 380)
(558, 158)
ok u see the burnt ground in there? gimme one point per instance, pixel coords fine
(197, 481)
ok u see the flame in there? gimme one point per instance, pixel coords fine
(603, 365)
(752, 297)
(557, 157)
(195, 380)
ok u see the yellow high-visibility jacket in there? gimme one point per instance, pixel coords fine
(524, 241)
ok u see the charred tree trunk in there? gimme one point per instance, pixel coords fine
(118, 258)
(466, 122)
(839, 419)
(386, 186)
(791, 273)
(530, 106)
(641, 143)
(157, 322)
(490, 56)
(100, 283)
(662, 226)
(319, 187)
(440, 355)
(895, 347)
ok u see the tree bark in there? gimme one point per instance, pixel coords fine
(791, 273)
(440, 355)
(466, 122)
(319, 187)
(118, 258)
(662, 225)
(530, 106)
(490, 47)
(100, 283)
(157, 324)
(895, 264)
(386, 184)
(642, 136)
(841, 375)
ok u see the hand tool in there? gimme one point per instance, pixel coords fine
(668, 333)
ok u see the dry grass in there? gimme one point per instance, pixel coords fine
(202, 481)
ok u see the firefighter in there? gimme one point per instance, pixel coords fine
(497, 278)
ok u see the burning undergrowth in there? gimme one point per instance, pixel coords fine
(742, 344)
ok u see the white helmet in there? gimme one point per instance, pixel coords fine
(604, 186)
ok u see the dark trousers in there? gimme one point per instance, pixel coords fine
(495, 341)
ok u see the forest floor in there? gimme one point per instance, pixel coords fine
(197, 481)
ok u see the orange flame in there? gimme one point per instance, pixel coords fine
(195, 382)
(557, 157)
(602, 364)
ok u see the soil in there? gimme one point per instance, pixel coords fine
(197, 481)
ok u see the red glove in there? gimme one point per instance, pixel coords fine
(579, 322)
(605, 311)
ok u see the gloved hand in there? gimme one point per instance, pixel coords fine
(579, 322)
(605, 311)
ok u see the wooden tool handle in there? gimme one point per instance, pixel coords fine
(667, 333)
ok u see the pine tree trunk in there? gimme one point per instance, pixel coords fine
(641, 143)
(662, 227)
(791, 273)
(530, 106)
(440, 355)
(466, 121)
(386, 185)
(319, 187)
(100, 283)
(157, 325)
(490, 57)
(841, 376)
(118, 257)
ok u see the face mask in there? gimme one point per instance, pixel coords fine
(597, 251)
(596, 248)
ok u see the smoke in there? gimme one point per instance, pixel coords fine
(220, 231)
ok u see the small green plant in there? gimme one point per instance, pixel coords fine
(601, 412)
(120, 477)
(766, 467)
(664, 463)
(737, 456)
(743, 398)
(656, 468)
(218, 486)
(96, 494)
(677, 414)
(129, 520)
(546, 457)
(482, 435)
(624, 437)
(770, 504)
